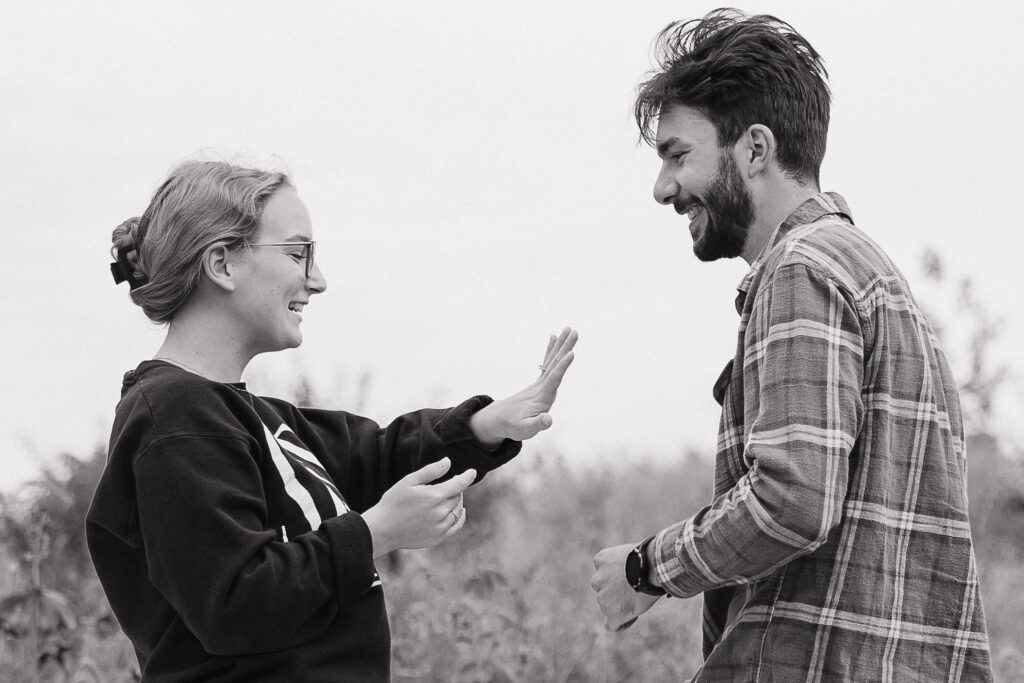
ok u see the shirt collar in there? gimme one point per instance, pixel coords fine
(813, 209)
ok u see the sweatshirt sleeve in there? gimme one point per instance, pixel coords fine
(203, 520)
(365, 459)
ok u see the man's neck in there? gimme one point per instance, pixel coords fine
(776, 202)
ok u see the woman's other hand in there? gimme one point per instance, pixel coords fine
(522, 415)
(417, 514)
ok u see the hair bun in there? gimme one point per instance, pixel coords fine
(125, 251)
(127, 233)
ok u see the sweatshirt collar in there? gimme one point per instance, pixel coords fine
(147, 366)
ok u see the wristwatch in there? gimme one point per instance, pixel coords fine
(637, 570)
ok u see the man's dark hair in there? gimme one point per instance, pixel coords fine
(737, 71)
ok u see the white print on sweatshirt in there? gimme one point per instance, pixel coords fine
(292, 486)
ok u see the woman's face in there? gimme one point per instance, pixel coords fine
(272, 287)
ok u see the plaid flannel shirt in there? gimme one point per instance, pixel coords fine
(836, 546)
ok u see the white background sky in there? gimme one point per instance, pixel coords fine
(475, 183)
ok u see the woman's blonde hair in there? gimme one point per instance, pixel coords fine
(202, 204)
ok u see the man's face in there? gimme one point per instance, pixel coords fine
(701, 180)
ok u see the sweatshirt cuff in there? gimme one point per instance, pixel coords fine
(453, 430)
(352, 555)
(453, 427)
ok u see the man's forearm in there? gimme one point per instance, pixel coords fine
(747, 533)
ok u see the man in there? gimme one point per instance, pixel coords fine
(836, 546)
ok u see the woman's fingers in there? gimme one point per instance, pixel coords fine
(539, 422)
(455, 517)
(457, 525)
(529, 427)
(456, 513)
(457, 508)
(558, 347)
(560, 341)
(566, 342)
(549, 384)
(428, 473)
(554, 378)
(547, 354)
(454, 487)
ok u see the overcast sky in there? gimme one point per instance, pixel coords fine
(475, 183)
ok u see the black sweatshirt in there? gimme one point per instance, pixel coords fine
(226, 529)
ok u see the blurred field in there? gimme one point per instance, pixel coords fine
(506, 600)
(509, 600)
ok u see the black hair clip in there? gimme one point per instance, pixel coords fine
(122, 269)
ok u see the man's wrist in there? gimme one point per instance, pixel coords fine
(651, 575)
(638, 569)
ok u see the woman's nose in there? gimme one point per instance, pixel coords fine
(317, 282)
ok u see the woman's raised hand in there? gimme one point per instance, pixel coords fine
(525, 413)
(417, 514)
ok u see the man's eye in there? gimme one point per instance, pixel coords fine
(297, 255)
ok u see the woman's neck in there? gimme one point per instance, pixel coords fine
(202, 347)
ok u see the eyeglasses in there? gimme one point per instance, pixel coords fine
(308, 248)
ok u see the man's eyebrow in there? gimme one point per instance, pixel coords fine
(663, 147)
(299, 237)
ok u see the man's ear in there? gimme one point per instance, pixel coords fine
(758, 148)
(219, 267)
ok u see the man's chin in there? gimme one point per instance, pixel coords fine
(706, 252)
(713, 246)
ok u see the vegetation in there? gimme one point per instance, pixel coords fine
(509, 598)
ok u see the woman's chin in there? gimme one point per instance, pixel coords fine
(291, 341)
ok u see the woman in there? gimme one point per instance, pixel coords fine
(235, 535)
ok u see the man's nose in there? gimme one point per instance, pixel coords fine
(665, 188)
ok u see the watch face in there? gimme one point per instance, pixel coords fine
(633, 567)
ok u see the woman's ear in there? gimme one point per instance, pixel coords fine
(219, 267)
(759, 148)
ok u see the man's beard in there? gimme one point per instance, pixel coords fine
(730, 213)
